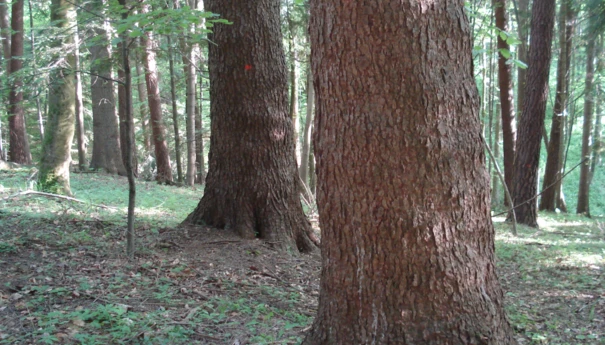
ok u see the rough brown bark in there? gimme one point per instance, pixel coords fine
(403, 192)
(106, 148)
(531, 124)
(251, 185)
(18, 150)
(162, 156)
(53, 176)
(583, 205)
(507, 110)
(552, 195)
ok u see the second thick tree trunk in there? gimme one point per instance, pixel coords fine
(251, 185)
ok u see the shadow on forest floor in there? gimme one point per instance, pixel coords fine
(65, 279)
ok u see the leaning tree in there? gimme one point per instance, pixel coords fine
(252, 182)
(403, 192)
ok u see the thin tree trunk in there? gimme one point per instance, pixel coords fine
(53, 176)
(6, 52)
(175, 115)
(507, 109)
(162, 156)
(79, 108)
(583, 205)
(18, 151)
(125, 108)
(251, 185)
(523, 23)
(199, 134)
(306, 147)
(129, 121)
(531, 123)
(551, 187)
(191, 82)
(496, 178)
(35, 68)
(401, 179)
(294, 114)
(143, 112)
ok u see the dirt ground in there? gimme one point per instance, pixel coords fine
(66, 281)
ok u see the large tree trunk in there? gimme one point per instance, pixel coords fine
(106, 148)
(18, 144)
(507, 110)
(306, 146)
(583, 205)
(251, 185)
(162, 156)
(80, 135)
(552, 197)
(531, 124)
(53, 176)
(403, 193)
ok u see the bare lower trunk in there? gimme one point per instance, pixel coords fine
(507, 109)
(531, 124)
(125, 107)
(191, 105)
(552, 191)
(143, 112)
(175, 115)
(80, 135)
(106, 147)
(306, 145)
(251, 186)
(162, 156)
(199, 137)
(583, 205)
(19, 146)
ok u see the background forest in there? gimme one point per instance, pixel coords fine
(167, 39)
(97, 100)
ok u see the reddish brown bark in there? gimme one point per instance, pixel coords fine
(251, 184)
(531, 124)
(162, 156)
(523, 21)
(505, 84)
(552, 196)
(403, 192)
(18, 151)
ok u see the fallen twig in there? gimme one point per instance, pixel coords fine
(50, 195)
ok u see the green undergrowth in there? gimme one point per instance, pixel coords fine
(553, 279)
(104, 197)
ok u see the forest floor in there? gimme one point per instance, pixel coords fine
(64, 277)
